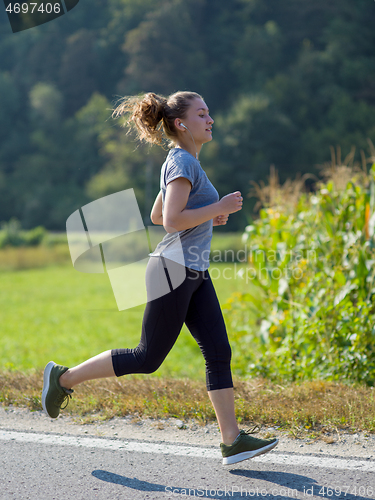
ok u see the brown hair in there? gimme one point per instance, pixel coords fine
(151, 114)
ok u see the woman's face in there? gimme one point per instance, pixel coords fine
(198, 121)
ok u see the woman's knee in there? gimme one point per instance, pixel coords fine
(150, 366)
(219, 359)
(224, 351)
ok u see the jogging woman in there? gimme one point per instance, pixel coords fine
(188, 206)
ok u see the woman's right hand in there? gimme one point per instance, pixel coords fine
(231, 203)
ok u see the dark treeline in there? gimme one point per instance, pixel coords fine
(284, 80)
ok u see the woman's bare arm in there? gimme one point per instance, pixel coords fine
(157, 210)
(178, 218)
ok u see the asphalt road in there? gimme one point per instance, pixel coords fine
(62, 459)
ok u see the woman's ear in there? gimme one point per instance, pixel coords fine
(179, 125)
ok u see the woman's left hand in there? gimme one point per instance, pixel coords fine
(221, 220)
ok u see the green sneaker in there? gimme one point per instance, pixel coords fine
(245, 447)
(53, 395)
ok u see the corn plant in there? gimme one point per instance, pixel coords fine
(311, 310)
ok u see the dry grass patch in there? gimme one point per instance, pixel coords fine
(314, 409)
(14, 258)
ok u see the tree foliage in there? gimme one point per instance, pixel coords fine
(284, 81)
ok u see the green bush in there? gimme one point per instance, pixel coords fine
(311, 313)
(12, 235)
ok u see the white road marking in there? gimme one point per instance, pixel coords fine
(191, 451)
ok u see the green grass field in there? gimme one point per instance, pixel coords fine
(57, 313)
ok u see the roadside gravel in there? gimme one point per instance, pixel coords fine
(171, 430)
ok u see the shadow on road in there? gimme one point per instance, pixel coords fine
(129, 482)
(174, 491)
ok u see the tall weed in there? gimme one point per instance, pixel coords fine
(312, 259)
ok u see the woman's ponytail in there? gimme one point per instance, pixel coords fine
(151, 114)
(145, 114)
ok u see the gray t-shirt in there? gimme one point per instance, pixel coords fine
(195, 241)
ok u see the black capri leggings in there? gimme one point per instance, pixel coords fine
(193, 302)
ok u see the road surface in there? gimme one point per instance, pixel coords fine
(130, 459)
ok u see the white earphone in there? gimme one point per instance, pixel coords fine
(185, 127)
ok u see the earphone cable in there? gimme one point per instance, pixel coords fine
(196, 152)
